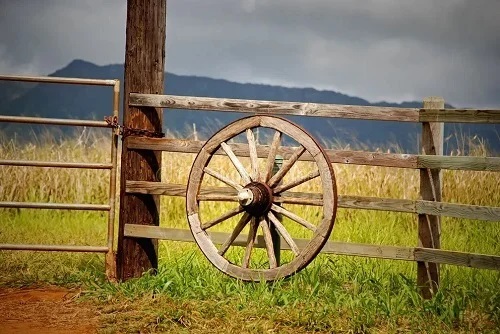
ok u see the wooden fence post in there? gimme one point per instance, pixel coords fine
(429, 227)
(144, 73)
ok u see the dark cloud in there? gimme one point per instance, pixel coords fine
(378, 49)
(43, 36)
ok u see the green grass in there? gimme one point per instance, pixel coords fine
(333, 294)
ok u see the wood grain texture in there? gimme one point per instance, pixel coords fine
(276, 107)
(222, 178)
(144, 73)
(335, 156)
(429, 226)
(251, 238)
(252, 147)
(296, 182)
(245, 218)
(236, 162)
(491, 116)
(472, 260)
(268, 241)
(376, 203)
(230, 131)
(343, 157)
(271, 155)
(334, 247)
(459, 163)
(350, 202)
(314, 199)
(198, 235)
(283, 233)
(195, 193)
(287, 165)
(466, 211)
(223, 217)
(296, 218)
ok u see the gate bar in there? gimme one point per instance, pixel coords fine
(55, 248)
(115, 134)
(71, 81)
(61, 206)
(54, 121)
(30, 163)
(112, 166)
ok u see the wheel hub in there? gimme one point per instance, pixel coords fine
(256, 198)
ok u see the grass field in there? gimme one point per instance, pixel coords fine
(333, 294)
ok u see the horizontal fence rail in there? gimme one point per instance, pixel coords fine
(31, 163)
(275, 107)
(54, 121)
(316, 109)
(55, 248)
(427, 209)
(331, 247)
(54, 206)
(336, 156)
(344, 157)
(60, 80)
(351, 202)
(460, 115)
(491, 164)
(430, 164)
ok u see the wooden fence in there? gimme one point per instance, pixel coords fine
(429, 208)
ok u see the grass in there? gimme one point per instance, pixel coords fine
(333, 294)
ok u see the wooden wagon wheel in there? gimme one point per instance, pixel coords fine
(260, 196)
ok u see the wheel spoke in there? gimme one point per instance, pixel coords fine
(293, 199)
(222, 178)
(252, 235)
(269, 243)
(272, 155)
(217, 198)
(293, 216)
(237, 230)
(286, 167)
(236, 162)
(284, 233)
(222, 218)
(295, 183)
(254, 160)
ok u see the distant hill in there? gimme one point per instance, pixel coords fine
(90, 102)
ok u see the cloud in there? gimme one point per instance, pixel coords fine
(43, 36)
(378, 49)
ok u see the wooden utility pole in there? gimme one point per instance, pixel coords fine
(429, 227)
(144, 73)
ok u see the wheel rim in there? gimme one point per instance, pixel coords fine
(260, 195)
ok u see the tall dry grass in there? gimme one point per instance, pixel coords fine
(378, 227)
(334, 292)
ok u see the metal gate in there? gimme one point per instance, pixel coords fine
(112, 166)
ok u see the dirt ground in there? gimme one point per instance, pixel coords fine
(45, 310)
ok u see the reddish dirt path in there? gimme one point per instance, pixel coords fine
(44, 310)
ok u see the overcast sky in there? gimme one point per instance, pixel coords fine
(390, 50)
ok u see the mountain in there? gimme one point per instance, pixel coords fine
(91, 102)
(11, 90)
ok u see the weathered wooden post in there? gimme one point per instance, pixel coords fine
(429, 227)
(144, 73)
